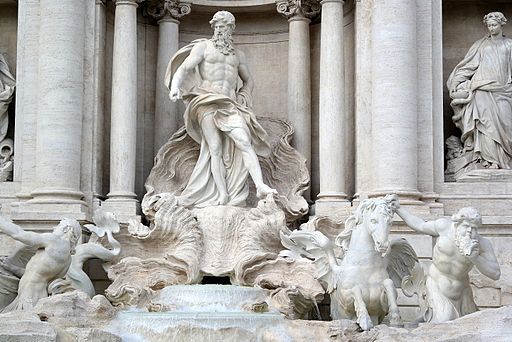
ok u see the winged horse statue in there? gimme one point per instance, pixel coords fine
(363, 284)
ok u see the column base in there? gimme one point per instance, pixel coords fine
(332, 204)
(125, 209)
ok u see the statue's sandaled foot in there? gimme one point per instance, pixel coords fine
(223, 199)
(263, 190)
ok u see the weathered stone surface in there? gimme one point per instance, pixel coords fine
(96, 335)
(25, 327)
(75, 309)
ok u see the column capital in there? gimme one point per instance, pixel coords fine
(101, 2)
(298, 8)
(167, 9)
(128, 2)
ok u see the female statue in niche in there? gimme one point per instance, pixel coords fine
(481, 90)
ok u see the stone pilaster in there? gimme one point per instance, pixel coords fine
(59, 111)
(363, 99)
(123, 126)
(26, 96)
(332, 195)
(100, 23)
(168, 13)
(394, 99)
(299, 14)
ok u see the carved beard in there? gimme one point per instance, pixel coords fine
(223, 42)
(464, 241)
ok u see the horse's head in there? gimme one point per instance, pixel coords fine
(378, 222)
(376, 215)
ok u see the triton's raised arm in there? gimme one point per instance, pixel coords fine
(432, 228)
(17, 233)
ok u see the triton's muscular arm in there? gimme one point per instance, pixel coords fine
(432, 228)
(17, 233)
(485, 260)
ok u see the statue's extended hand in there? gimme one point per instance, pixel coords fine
(393, 201)
(474, 251)
(175, 94)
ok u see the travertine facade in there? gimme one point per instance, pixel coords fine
(363, 82)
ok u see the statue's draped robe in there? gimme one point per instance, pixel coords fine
(202, 99)
(7, 84)
(486, 120)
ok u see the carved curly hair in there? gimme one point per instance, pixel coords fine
(496, 16)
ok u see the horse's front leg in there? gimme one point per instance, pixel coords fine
(363, 318)
(391, 295)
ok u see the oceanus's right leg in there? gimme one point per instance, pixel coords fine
(213, 138)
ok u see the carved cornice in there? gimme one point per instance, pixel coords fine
(167, 9)
(298, 8)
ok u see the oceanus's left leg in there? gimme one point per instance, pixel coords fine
(242, 141)
(391, 295)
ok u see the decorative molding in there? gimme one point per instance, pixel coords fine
(167, 9)
(128, 2)
(298, 8)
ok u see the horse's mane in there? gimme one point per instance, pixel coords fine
(358, 216)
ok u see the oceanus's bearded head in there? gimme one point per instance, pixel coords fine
(223, 24)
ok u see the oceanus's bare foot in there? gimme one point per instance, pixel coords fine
(263, 190)
(223, 199)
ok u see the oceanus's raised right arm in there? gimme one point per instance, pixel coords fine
(196, 56)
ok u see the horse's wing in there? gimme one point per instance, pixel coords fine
(400, 260)
(315, 246)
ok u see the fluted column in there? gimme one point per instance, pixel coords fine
(394, 98)
(123, 125)
(299, 13)
(332, 111)
(168, 13)
(60, 103)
